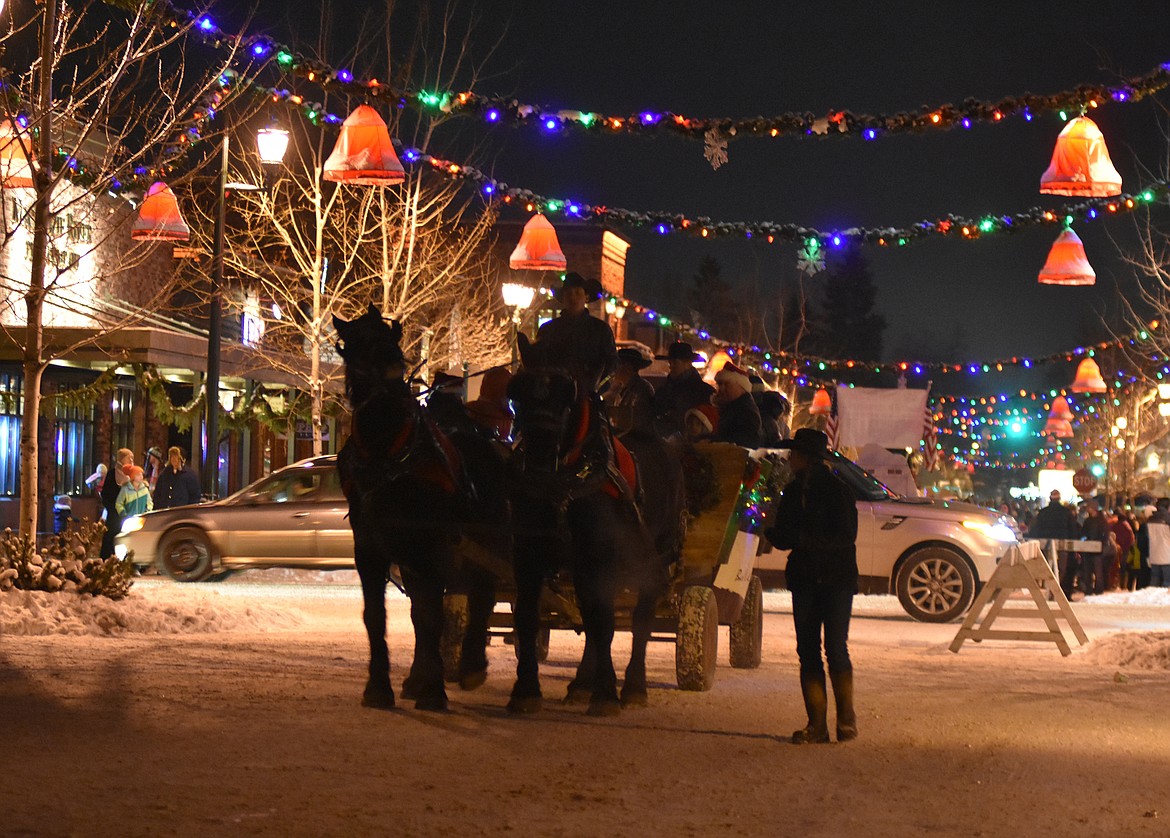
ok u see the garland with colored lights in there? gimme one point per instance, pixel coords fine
(954, 226)
(836, 123)
(951, 226)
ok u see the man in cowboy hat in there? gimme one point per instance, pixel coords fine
(816, 519)
(739, 418)
(683, 389)
(581, 341)
(630, 397)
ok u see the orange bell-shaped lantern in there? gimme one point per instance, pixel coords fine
(822, 403)
(1067, 263)
(538, 249)
(1059, 428)
(1061, 410)
(1088, 378)
(159, 218)
(15, 170)
(363, 153)
(1080, 163)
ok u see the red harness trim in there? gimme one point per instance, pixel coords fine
(625, 464)
(440, 471)
(622, 457)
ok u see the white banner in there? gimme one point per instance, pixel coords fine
(889, 418)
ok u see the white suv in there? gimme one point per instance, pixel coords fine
(935, 555)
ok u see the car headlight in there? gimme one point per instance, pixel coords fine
(998, 531)
(133, 524)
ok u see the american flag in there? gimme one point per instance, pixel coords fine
(832, 425)
(929, 438)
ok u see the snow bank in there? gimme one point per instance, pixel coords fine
(1149, 650)
(160, 609)
(1146, 596)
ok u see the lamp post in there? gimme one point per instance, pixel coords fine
(519, 297)
(271, 144)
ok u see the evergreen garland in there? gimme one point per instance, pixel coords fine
(253, 407)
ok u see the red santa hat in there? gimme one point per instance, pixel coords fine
(706, 414)
(731, 374)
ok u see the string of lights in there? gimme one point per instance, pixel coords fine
(496, 110)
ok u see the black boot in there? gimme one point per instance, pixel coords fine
(843, 696)
(816, 705)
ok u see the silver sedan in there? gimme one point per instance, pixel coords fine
(295, 517)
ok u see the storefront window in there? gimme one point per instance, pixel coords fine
(11, 406)
(75, 454)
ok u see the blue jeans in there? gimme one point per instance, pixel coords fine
(1160, 576)
(816, 607)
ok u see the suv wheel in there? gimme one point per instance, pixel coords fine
(935, 585)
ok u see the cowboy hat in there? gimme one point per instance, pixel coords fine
(808, 441)
(591, 287)
(630, 355)
(680, 350)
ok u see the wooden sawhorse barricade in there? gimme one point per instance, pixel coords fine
(1023, 567)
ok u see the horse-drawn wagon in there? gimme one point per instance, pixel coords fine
(712, 583)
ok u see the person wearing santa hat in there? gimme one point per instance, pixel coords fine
(700, 422)
(739, 418)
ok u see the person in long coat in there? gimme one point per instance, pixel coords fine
(177, 485)
(630, 397)
(111, 486)
(581, 341)
(816, 519)
(683, 389)
(739, 418)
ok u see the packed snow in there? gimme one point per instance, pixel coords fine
(233, 708)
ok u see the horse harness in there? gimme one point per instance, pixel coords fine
(420, 449)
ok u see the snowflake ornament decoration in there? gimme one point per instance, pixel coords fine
(810, 259)
(715, 148)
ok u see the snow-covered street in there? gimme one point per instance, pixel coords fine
(233, 709)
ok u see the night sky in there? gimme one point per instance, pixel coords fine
(763, 58)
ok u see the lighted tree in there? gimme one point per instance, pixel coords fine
(97, 98)
(305, 249)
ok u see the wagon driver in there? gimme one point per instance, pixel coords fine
(582, 342)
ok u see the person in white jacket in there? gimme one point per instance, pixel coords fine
(1158, 529)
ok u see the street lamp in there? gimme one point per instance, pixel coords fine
(271, 150)
(271, 144)
(519, 297)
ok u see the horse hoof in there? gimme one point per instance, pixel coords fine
(434, 703)
(605, 707)
(410, 689)
(635, 698)
(578, 695)
(380, 698)
(525, 705)
(472, 680)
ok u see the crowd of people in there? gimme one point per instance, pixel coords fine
(1134, 538)
(127, 489)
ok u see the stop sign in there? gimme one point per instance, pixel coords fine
(1084, 481)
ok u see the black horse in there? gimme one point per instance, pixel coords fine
(569, 508)
(413, 492)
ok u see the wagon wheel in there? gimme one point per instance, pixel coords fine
(697, 640)
(542, 640)
(747, 633)
(455, 618)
